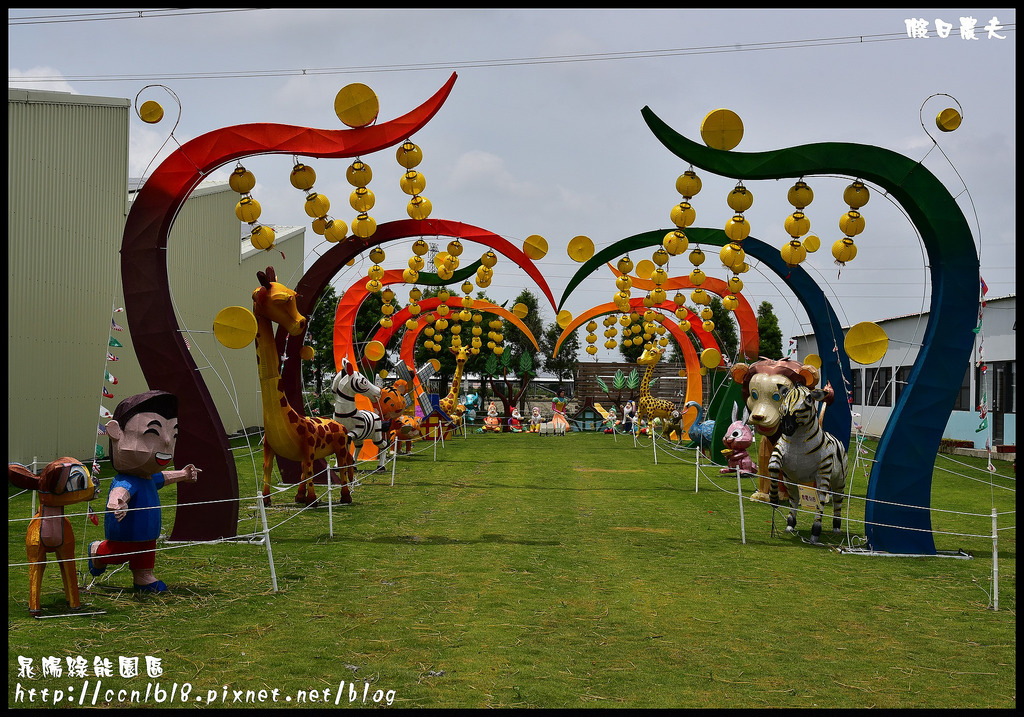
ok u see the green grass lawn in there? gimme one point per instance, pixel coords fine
(528, 571)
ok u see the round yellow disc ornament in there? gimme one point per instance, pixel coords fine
(520, 310)
(866, 342)
(564, 318)
(580, 249)
(356, 105)
(711, 358)
(813, 360)
(151, 112)
(947, 120)
(721, 129)
(374, 351)
(535, 246)
(234, 327)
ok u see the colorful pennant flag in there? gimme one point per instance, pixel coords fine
(111, 357)
(114, 343)
(106, 393)
(104, 413)
(114, 325)
(110, 377)
(101, 430)
(92, 516)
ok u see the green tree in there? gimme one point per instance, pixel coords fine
(768, 332)
(725, 328)
(320, 335)
(566, 363)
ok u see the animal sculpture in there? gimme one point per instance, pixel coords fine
(290, 433)
(649, 407)
(701, 431)
(763, 383)
(739, 436)
(359, 422)
(63, 482)
(808, 454)
(449, 403)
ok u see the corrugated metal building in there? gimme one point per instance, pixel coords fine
(68, 197)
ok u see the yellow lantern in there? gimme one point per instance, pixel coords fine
(730, 302)
(467, 287)
(709, 326)
(443, 310)
(386, 323)
(415, 294)
(409, 155)
(699, 296)
(376, 272)
(688, 184)
(852, 223)
(373, 286)
(797, 224)
(418, 208)
(623, 282)
(800, 195)
(732, 254)
(489, 259)
(592, 349)
(247, 210)
(856, 195)
(363, 226)
(706, 313)
(659, 276)
(684, 325)
(317, 205)
(455, 247)
(697, 277)
(844, 250)
(737, 228)
(735, 284)
(682, 215)
(262, 237)
(359, 174)
(302, 177)
(740, 199)
(412, 324)
(335, 230)
(413, 182)
(625, 265)
(410, 276)
(660, 257)
(697, 256)
(319, 225)
(416, 262)
(679, 298)
(361, 199)
(610, 344)
(675, 242)
(420, 247)
(242, 180)
(793, 253)
(444, 273)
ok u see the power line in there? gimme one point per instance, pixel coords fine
(116, 15)
(497, 62)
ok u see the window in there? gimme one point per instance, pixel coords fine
(1002, 375)
(902, 373)
(856, 392)
(963, 399)
(878, 391)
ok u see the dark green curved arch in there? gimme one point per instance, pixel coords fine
(835, 365)
(897, 515)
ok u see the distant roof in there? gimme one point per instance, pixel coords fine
(911, 316)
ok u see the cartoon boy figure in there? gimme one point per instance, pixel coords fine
(142, 432)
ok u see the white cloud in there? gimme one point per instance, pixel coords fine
(32, 80)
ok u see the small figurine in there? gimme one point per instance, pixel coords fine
(142, 434)
(492, 422)
(515, 423)
(62, 482)
(535, 420)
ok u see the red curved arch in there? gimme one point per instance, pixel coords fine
(209, 508)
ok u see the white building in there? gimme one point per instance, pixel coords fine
(877, 386)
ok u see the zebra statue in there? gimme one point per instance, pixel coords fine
(360, 423)
(807, 454)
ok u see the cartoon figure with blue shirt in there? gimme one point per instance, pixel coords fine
(142, 432)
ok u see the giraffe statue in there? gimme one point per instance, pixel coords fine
(649, 407)
(287, 432)
(451, 401)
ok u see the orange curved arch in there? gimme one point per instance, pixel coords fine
(750, 341)
(694, 388)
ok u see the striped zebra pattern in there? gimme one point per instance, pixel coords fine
(360, 423)
(807, 454)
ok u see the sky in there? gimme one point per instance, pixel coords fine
(542, 133)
